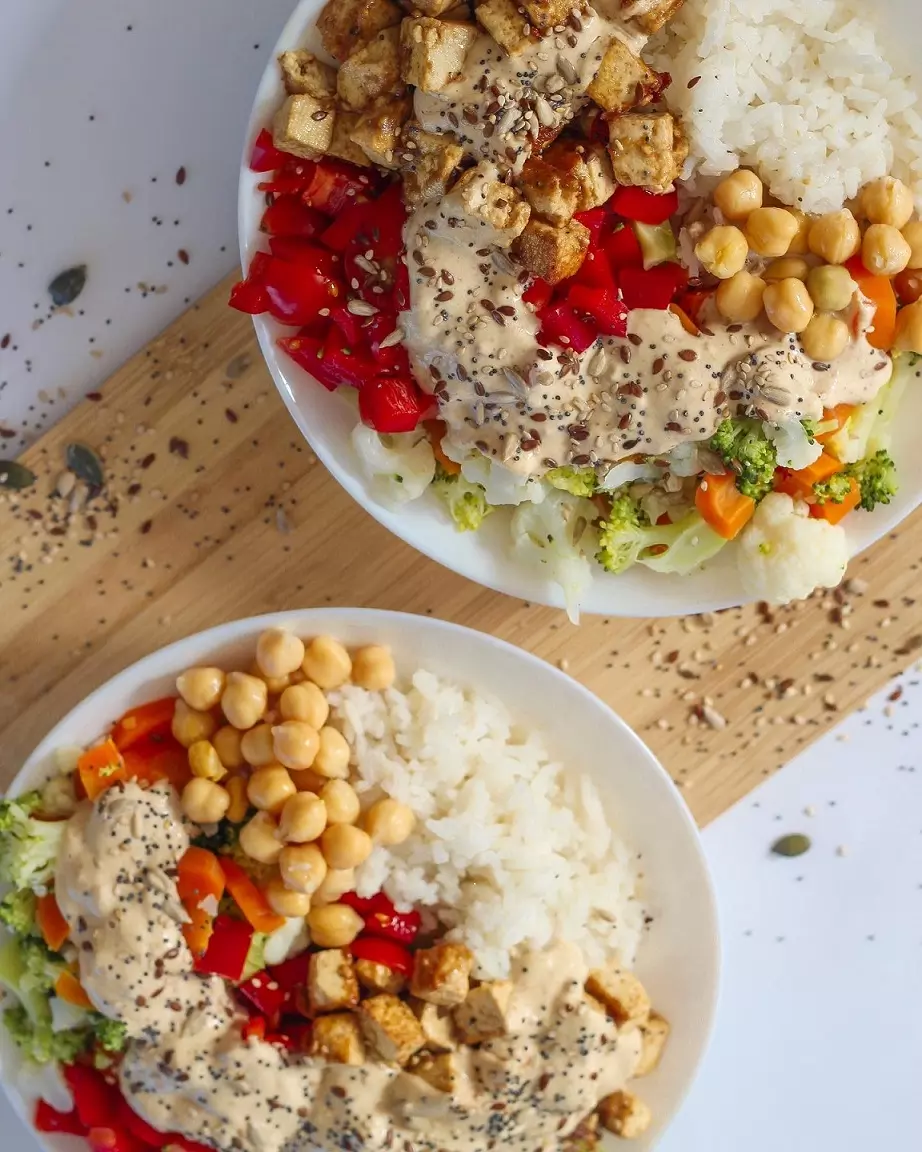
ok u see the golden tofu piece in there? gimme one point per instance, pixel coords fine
(484, 1013)
(624, 997)
(378, 130)
(375, 977)
(553, 253)
(331, 981)
(345, 25)
(433, 51)
(428, 160)
(442, 974)
(546, 13)
(624, 81)
(650, 17)
(625, 1114)
(589, 165)
(440, 1071)
(552, 192)
(437, 1024)
(584, 1137)
(505, 23)
(371, 73)
(647, 149)
(390, 1029)
(343, 147)
(305, 75)
(498, 214)
(303, 126)
(338, 1039)
(438, 8)
(655, 1033)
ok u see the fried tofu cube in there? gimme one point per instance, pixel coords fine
(484, 1013)
(342, 146)
(438, 7)
(338, 1039)
(654, 1033)
(304, 75)
(433, 51)
(546, 13)
(429, 159)
(647, 149)
(589, 165)
(346, 25)
(390, 1029)
(498, 214)
(552, 193)
(372, 73)
(624, 81)
(437, 1024)
(303, 126)
(651, 17)
(625, 1114)
(440, 1071)
(585, 1136)
(331, 981)
(378, 130)
(442, 974)
(374, 977)
(553, 253)
(505, 23)
(623, 995)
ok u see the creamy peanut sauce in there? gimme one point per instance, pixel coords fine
(188, 1070)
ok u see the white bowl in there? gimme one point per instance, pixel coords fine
(326, 421)
(680, 957)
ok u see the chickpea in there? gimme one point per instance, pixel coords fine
(336, 884)
(190, 725)
(270, 787)
(295, 744)
(787, 267)
(334, 925)
(884, 251)
(201, 688)
(259, 839)
(389, 822)
(341, 802)
(204, 802)
(279, 652)
(305, 702)
(912, 234)
(788, 305)
(739, 299)
(333, 754)
(835, 237)
(303, 867)
(769, 231)
(226, 742)
(831, 287)
(284, 901)
(327, 662)
(239, 804)
(205, 762)
(256, 746)
(244, 700)
(275, 685)
(723, 251)
(825, 337)
(345, 846)
(307, 780)
(303, 818)
(909, 329)
(886, 201)
(738, 194)
(800, 245)
(373, 668)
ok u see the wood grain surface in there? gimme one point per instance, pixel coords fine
(214, 508)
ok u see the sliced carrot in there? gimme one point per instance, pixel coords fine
(687, 323)
(52, 925)
(155, 759)
(879, 290)
(435, 430)
(723, 506)
(69, 988)
(799, 484)
(841, 414)
(691, 301)
(832, 512)
(143, 721)
(251, 902)
(100, 768)
(200, 877)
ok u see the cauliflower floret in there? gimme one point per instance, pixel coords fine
(784, 554)
(399, 468)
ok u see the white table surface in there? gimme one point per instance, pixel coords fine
(820, 1029)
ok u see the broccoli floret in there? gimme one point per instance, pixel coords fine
(810, 427)
(37, 1041)
(834, 490)
(28, 847)
(876, 476)
(748, 452)
(621, 535)
(467, 503)
(41, 967)
(17, 912)
(110, 1035)
(576, 481)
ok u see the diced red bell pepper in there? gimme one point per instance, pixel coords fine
(259, 266)
(280, 1040)
(307, 353)
(95, 1099)
(392, 404)
(334, 185)
(602, 305)
(370, 224)
(623, 249)
(350, 326)
(652, 287)
(595, 271)
(692, 300)
(228, 949)
(344, 362)
(365, 904)
(560, 325)
(381, 951)
(400, 927)
(265, 157)
(291, 179)
(265, 994)
(401, 285)
(288, 216)
(539, 292)
(291, 974)
(108, 1139)
(297, 293)
(594, 219)
(143, 722)
(48, 1119)
(131, 1122)
(250, 298)
(643, 206)
(300, 250)
(298, 1035)
(255, 1028)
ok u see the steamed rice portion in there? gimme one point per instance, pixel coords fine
(511, 846)
(800, 90)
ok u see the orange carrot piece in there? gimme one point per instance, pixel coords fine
(799, 484)
(687, 323)
(879, 290)
(251, 902)
(100, 768)
(841, 414)
(150, 761)
(833, 513)
(69, 988)
(200, 877)
(435, 430)
(135, 725)
(52, 925)
(723, 506)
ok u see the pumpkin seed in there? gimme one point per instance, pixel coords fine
(86, 466)
(67, 285)
(14, 475)
(794, 844)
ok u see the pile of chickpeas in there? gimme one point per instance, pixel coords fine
(261, 739)
(804, 284)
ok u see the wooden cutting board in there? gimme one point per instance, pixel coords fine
(214, 508)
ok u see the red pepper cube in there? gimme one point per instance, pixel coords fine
(228, 949)
(250, 298)
(287, 216)
(298, 292)
(387, 952)
(653, 287)
(560, 325)
(643, 206)
(96, 1100)
(623, 248)
(265, 994)
(595, 271)
(603, 305)
(594, 219)
(48, 1119)
(265, 157)
(392, 404)
(539, 292)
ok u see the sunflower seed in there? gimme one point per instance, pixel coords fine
(516, 381)
(566, 70)
(544, 112)
(361, 308)
(67, 285)
(14, 475)
(794, 844)
(392, 338)
(85, 465)
(597, 363)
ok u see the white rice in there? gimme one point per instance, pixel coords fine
(800, 90)
(509, 846)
